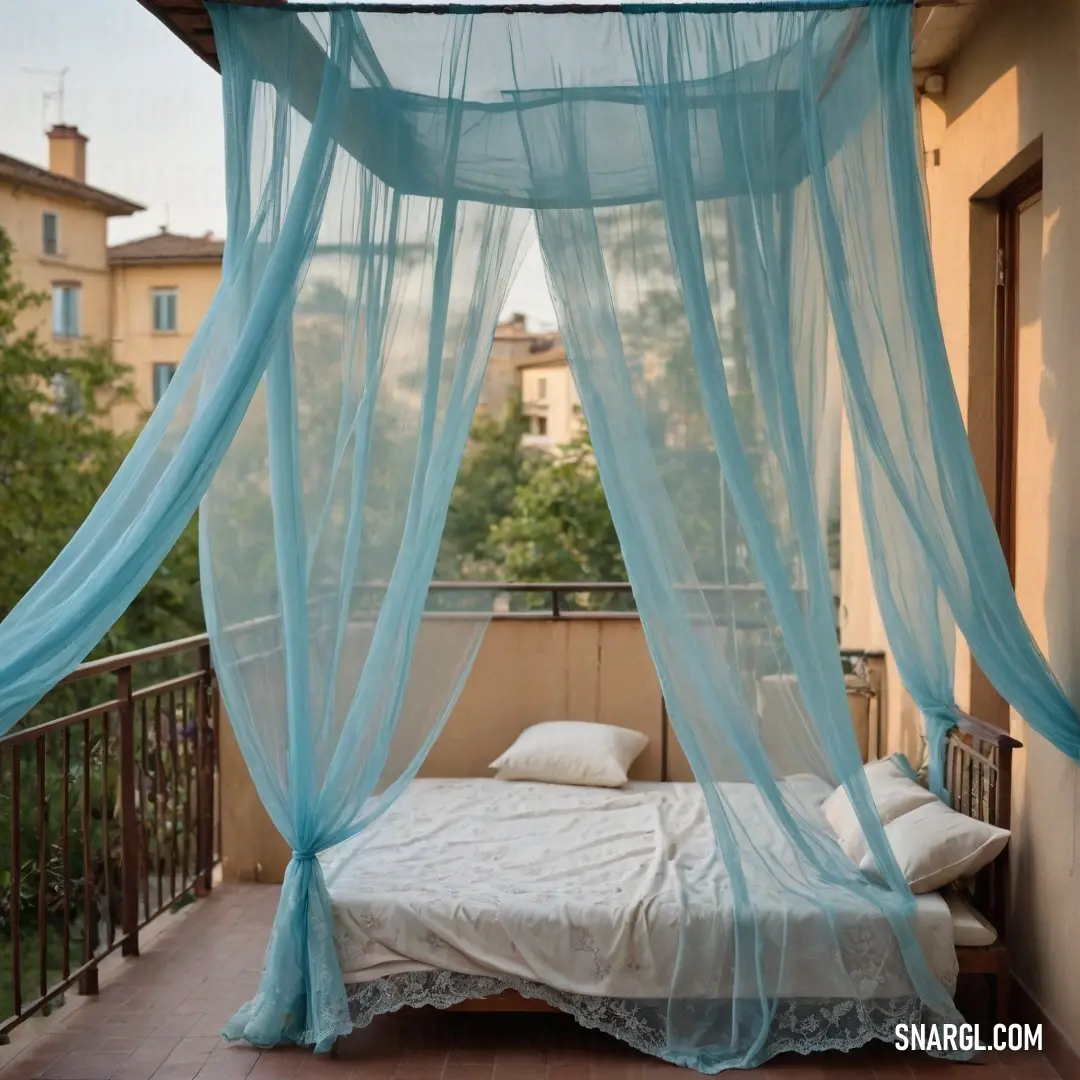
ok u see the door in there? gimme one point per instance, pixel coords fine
(1018, 488)
(1033, 446)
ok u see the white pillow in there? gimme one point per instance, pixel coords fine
(567, 752)
(894, 791)
(935, 846)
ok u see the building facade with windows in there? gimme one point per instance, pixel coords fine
(533, 366)
(550, 400)
(161, 288)
(57, 225)
(512, 346)
(143, 300)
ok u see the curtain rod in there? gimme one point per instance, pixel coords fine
(571, 8)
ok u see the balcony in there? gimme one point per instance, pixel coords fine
(147, 929)
(532, 441)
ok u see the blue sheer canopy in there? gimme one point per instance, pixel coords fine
(728, 203)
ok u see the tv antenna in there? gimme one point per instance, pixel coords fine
(51, 96)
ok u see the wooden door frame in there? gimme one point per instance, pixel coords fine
(1017, 197)
(993, 370)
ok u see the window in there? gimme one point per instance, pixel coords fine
(50, 234)
(541, 389)
(539, 425)
(65, 310)
(66, 394)
(163, 374)
(164, 301)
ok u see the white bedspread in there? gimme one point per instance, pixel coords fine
(584, 890)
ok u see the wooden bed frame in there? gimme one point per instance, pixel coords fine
(978, 777)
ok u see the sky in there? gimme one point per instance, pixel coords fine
(152, 112)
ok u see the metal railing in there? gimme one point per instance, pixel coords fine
(746, 603)
(562, 597)
(111, 814)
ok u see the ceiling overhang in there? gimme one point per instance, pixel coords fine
(190, 22)
(938, 33)
(941, 26)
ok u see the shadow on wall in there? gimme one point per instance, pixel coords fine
(1047, 889)
(1013, 85)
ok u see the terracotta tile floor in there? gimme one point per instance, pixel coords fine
(158, 1015)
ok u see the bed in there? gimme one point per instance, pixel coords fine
(586, 890)
(485, 894)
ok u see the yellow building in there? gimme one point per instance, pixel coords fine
(512, 345)
(57, 224)
(143, 299)
(161, 288)
(533, 366)
(550, 400)
(146, 298)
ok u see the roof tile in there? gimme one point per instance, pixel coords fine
(23, 174)
(167, 247)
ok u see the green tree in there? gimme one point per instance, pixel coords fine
(659, 345)
(518, 514)
(57, 455)
(559, 527)
(492, 470)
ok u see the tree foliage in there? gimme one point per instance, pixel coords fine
(58, 452)
(57, 455)
(495, 465)
(518, 514)
(559, 527)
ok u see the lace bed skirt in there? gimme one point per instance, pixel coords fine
(799, 1026)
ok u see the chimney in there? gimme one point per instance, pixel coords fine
(67, 152)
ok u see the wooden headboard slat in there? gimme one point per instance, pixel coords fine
(985, 732)
(978, 776)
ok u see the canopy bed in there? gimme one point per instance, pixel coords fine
(471, 895)
(728, 200)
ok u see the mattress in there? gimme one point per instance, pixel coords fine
(592, 891)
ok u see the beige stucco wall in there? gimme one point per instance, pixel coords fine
(501, 378)
(1011, 95)
(81, 258)
(528, 670)
(134, 341)
(860, 620)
